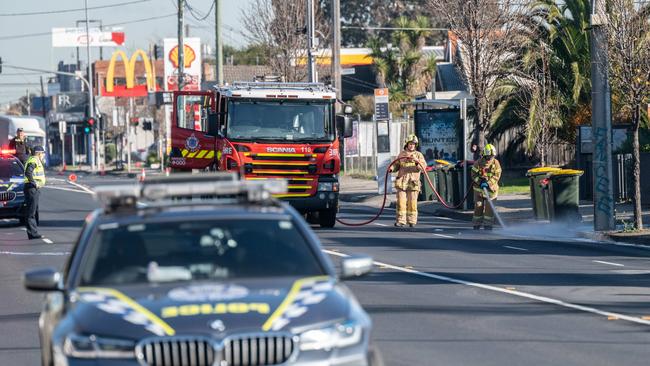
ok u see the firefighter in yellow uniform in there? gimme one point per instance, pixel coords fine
(409, 166)
(486, 173)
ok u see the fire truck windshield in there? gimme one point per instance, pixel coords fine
(280, 120)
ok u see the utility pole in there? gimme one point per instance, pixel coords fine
(44, 110)
(601, 121)
(29, 102)
(311, 42)
(181, 44)
(94, 151)
(219, 41)
(336, 47)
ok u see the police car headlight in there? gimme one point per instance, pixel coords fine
(78, 346)
(340, 335)
(328, 187)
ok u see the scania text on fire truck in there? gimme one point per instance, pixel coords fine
(266, 130)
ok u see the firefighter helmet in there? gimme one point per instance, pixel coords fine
(411, 138)
(489, 150)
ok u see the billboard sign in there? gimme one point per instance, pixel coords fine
(77, 37)
(70, 107)
(352, 143)
(439, 132)
(381, 105)
(192, 63)
(129, 89)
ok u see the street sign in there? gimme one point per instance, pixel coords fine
(348, 71)
(382, 112)
(62, 127)
(77, 37)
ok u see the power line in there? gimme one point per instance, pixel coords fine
(393, 28)
(71, 10)
(200, 17)
(28, 35)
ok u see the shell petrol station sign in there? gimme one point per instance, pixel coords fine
(192, 63)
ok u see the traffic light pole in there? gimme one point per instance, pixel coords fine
(181, 44)
(94, 140)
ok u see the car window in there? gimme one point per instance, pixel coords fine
(10, 168)
(198, 250)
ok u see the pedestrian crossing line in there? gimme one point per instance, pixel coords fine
(610, 263)
(444, 236)
(587, 309)
(48, 241)
(515, 248)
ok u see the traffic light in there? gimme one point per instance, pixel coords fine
(89, 125)
(135, 121)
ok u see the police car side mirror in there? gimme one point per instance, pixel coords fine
(355, 266)
(344, 125)
(43, 279)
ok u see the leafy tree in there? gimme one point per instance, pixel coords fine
(402, 67)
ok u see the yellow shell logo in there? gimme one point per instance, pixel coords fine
(190, 56)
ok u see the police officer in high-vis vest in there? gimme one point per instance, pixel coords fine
(486, 173)
(34, 181)
(409, 166)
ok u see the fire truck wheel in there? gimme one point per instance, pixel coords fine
(312, 218)
(327, 218)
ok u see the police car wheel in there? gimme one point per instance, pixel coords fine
(327, 218)
(374, 357)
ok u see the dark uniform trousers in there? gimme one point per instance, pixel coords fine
(31, 200)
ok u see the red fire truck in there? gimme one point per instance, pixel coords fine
(266, 130)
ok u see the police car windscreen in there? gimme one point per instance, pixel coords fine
(299, 120)
(10, 168)
(198, 250)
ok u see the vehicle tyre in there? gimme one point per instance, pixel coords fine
(374, 357)
(327, 218)
(312, 218)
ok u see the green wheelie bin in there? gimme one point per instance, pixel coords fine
(537, 195)
(441, 180)
(426, 193)
(563, 195)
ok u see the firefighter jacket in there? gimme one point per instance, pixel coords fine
(408, 173)
(489, 172)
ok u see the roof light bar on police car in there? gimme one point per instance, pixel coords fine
(170, 187)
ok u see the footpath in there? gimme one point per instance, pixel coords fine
(517, 213)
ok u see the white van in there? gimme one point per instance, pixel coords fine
(31, 125)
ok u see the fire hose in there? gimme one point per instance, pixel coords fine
(383, 204)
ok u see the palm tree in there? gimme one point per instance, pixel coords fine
(402, 67)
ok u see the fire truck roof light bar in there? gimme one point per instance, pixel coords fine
(273, 85)
(187, 185)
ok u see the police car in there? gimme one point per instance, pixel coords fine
(12, 198)
(234, 278)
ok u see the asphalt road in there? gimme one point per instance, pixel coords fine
(441, 294)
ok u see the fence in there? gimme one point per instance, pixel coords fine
(360, 158)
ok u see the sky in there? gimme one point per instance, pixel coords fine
(36, 51)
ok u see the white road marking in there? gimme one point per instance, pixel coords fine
(444, 236)
(48, 241)
(34, 253)
(526, 295)
(515, 248)
(380, 224)
(610, 263)
(438, 230)
(88, 190)
(67, 189)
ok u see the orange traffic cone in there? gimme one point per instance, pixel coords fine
(63, 167)
(142, 176)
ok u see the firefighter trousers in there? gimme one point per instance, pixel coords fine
(483, 214)
(407, 207)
